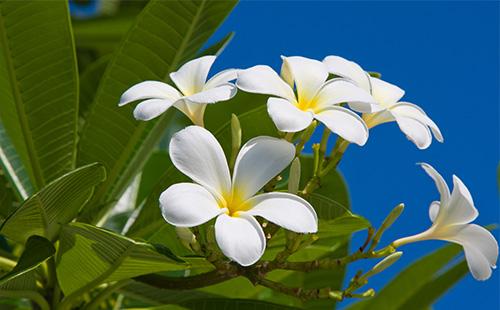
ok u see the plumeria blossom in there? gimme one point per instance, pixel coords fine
(192, 95)
(451, 217)
(411, 119)
(234, 202)
(315, 97)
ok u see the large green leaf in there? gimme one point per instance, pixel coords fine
(36, 251)
(427, 295)
(57, 203)
(165, 35)
(39, 86)
(89, 82)
(412, 280)
(89, 256)
(233, 304)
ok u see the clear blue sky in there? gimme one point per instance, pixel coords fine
(446, 56)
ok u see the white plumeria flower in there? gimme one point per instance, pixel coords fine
(315, 98)
(451, 217)
(411, 119)
(193, 94)
(197, 154)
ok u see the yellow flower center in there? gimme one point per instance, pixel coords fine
(234, 204)
(307, 105)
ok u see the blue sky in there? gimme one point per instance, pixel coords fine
(446, 56)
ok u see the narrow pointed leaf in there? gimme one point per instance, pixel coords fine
(218, 47)
(39, 86)
(57, 203)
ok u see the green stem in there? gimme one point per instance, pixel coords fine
(32, 295)
(7, 264)
(303, 294)
(97, 300)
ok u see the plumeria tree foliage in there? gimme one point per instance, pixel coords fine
(132, 176)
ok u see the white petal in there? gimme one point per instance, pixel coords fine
(308, 75)
(434, 210)
(286, 210)
(147, 90)
(413, 111)
(415, 131)
(240, 238)
(441, 185)
(460, 208)
(337, 91)
(220, 93)
(151, 108)
(286, 116)
(191, 77)
(264, 80)
(345, 123)
(258, 161)
(348, 69)
(197, 154)
(385, 93)
(221, 78)
(188, 205)
(481, 249)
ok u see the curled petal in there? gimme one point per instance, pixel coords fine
(258, 161)
(191, 77)
(460, 208)
(413, 111)
(286, 210)
(416, 131)
(308, 75)
(197, 154)
(337, 91)
(480, 247)
(441, 185)
(240, 238)
(212, 95)
(188, 205)
(345, 123)
(286, 116)
(348, 69)
(147, 90)
(264, 80)
(221, 78)
(385, 93)
(151, 108)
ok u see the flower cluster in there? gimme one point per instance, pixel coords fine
(336, 92)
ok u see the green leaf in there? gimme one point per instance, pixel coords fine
(412, 280)
(165, 35)
(156, 296)
(427, 295)
(89, 256)
(218, 47)
(39, 86)
(57, 203)
(36, 251)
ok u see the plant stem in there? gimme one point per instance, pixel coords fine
(7, 264)
(97, 300)
(32, 295)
